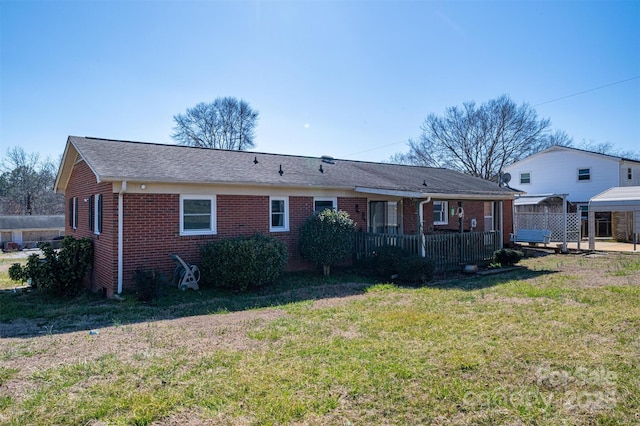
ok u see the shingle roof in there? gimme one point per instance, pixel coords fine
(31, 222)
(113, 160)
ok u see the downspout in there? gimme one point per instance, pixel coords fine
(123, 188)
(501, 222)
(423, 251)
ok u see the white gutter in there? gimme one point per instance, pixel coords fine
(415, 194)
(423, 250)
(123, 188)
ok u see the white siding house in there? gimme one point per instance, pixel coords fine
(582, 175)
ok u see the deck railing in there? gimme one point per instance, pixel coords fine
(448, 251)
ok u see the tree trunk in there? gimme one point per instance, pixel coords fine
(326, 269)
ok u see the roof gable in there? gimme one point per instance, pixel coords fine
(569, 151)
(113, 161)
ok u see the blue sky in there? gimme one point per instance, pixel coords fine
(351, 79)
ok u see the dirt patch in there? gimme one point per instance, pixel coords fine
(192, 336)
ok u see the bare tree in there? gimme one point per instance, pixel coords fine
(26, 185)
(608, 148)
(226, 123)
(481, 141)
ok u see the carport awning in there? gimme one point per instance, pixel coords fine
(528, 200)
(619, 199)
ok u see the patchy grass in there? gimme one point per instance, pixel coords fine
(556, 343)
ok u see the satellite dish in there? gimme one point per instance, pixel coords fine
(506, 178)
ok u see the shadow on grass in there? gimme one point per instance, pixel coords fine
(481, 281)
(27, 314)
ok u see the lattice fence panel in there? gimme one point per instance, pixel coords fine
(551, 221)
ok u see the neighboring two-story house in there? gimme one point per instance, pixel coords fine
(580, 174)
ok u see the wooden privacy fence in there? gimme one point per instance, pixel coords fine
(448, 251)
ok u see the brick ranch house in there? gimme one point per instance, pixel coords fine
(140, 202)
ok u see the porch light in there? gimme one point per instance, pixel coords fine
(143, 186)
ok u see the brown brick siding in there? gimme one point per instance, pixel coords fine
(152, 226)
(83, 184)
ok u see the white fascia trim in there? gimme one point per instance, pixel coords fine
(391, 192)
(413, 194)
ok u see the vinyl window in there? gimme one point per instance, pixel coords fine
(525, 177)
(440, 216)
(197, 215)
(584, 174)
(95, 213)
(73, 212)
(98, 214)
(383, 217)
(279, 211)
(320, 204)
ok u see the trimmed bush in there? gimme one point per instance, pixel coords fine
(416, 269)
(507, 257)
(243, 262)
(16, 273)
(386, 260)
(58, 272)
(326, 238)
(149, 284)
(390, 261)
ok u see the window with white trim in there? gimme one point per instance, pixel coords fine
(440, 216)
(95, 213)
(98, 214)
(525, 177)
(384, 217)
(197, 215)
(323, 203)
(73, 212)
(584, 174)
(279, 214)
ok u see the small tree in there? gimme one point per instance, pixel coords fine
(326, 238)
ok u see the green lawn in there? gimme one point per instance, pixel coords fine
(554, 343)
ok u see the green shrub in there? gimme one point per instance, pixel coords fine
(241, 262)
(326, 238)
(58, 272)
(507, 257)
(149, 284)
(386, 260)
(416, 269)
(390, 261)
(16, 273)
